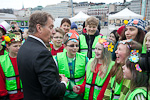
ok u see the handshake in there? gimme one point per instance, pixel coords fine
(63, 78)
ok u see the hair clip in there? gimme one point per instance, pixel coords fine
(138, 68)
(110, 47)
(134, 52)
(106, 44)
(102, 40)
(134, 58)
(123, 42)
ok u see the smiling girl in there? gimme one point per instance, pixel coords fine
(97, 72)
(133, 72)
(118, 86)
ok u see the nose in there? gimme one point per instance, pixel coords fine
(116, 51)
(95, 50)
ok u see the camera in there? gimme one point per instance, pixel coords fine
(13, 26)
(144, 62)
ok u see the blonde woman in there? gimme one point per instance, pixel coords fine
(97, 73)
(146, 43)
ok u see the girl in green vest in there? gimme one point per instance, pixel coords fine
(146, 43)
(133, 72)
(118, 86)
(97, 73)
(72, 64)
(10, 83)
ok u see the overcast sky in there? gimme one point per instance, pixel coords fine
(17, 4)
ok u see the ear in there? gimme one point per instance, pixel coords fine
(38, 27)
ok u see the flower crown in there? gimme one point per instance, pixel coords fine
(106, 44)
(134, 58)
(12, 37)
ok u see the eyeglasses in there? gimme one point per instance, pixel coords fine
(72, 45)
(58, 37)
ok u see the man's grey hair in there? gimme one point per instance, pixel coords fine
(38, 17)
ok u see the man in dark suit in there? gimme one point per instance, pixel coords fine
(37, 69)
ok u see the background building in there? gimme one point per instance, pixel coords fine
(59, 10)
(135, 6)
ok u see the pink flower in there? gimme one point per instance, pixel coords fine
(105, 44)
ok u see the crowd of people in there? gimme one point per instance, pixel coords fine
(47, 63)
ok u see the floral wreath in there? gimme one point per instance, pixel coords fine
(134, 58)
(106, 44)
(12, 37)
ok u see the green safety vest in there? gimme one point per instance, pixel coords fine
(80, 63)
(11, 83)
(137, 91)
(98, 82)
(117, 90)
(84, 46)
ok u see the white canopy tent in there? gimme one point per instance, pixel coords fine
(79, 17)
(117, 20)
(125, 14)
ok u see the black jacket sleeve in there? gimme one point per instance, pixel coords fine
(48, 75)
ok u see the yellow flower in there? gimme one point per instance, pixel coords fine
(7, 39)
(110, 47)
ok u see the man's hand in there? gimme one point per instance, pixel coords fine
(76, 88)
(63, 78)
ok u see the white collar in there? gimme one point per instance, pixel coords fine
(32, 36)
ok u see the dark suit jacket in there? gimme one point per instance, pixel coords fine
(38, 72)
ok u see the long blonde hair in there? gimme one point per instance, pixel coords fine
(106, 59)
(145, 39)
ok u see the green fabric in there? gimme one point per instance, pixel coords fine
(3, 43)
(98, 82)
(9, 72)
(114, 89)
(5, 52)
(138, 91)
(144, 49)
(77, 98)
(78, 68)
(84, 46)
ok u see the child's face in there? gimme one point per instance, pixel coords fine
(66, 26)
(72, 48)
(121, 53)
(13, 48)
(148, 43)
(112, 37)
(91, 29)
(126, 72)
(57, 39)
(98, 51)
